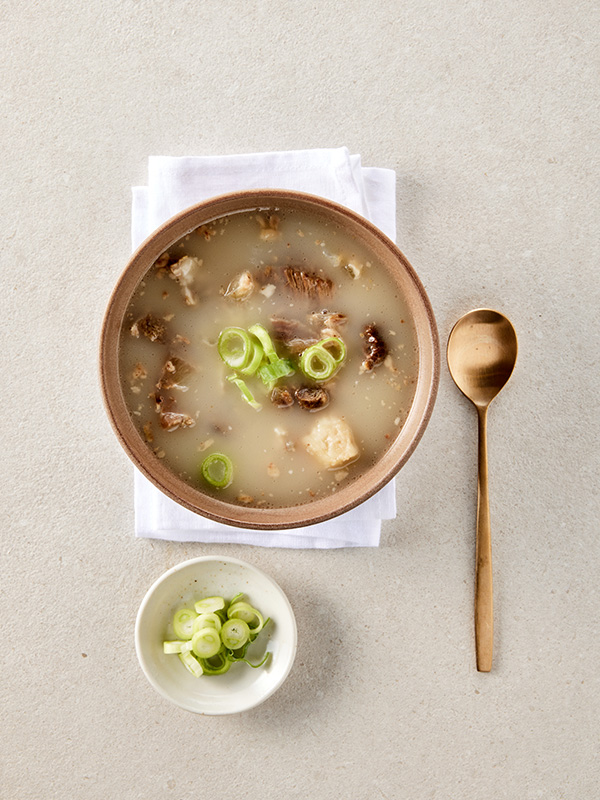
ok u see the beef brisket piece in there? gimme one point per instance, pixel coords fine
(307, 283)
(375, 348)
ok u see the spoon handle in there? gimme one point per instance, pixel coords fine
(484, 603)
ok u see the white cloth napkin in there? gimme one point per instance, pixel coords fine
(175, 184)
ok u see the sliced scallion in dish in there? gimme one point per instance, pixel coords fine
(209, 605)
(322, 360)
(206, 642)
(235, 347)
(191, 663)
(335, 347)
(207, 621)
(317, 363)
(271, 373)
(215, 634)
(216, 665)
(235, 633)
(249, 615)
(183, 623)
(256, 359)
(173, 647)
(246, 393)
(262, 334)
(217, 470)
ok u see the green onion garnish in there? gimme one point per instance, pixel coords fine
(235, 347)
(263, 337)
(216, 665)
(335, 347)
(183, 623)
(317, 363)
(246, 393)
(252, 352)
(249, 615)
(207, 621)
(207, 648)
(271, 373)
(322, 360)
(206, 643)
(235, 633)
(191, 663)
(217, 470)
(210, 605)
(256, 359)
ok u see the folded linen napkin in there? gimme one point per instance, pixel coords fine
(176, 183)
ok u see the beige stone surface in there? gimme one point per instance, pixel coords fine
(489, 114)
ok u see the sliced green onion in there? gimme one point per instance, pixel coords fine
(335, 347)
(256, 359)
(235, 633)
(173, 647)
(216, 665)
(254, 666)
(191, 663)
(245, 612)
(271, 373)
(207, 621)
(217, 470)
(246, 393)
(317, 363)
(183, 623)
(206, 642)
(216, 637)
(263, 337)
(239, 654)
(235, 347)
(209, 605)
(254, 634)
(320, 361)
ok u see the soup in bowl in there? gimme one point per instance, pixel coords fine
(269, 359)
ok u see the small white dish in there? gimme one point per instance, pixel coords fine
(242, 687)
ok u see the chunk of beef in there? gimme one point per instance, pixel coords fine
(174, 373)
(282, 397)
(241, 287)
(162, 262)
(207, 231)
(169, 416)
(293, 334)
(307, 283)
(140, 372)
(375, 349)
(269, 227)
(328, 322)
(152, 327)
(312, 398)
(185, 272)
(171, 420)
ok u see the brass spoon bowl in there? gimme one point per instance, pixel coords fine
(482, 352)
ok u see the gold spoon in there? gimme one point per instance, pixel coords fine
(482, 352)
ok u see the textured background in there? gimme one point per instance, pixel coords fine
(489, 114)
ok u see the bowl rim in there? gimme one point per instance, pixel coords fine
(164, 578)
(276, 518)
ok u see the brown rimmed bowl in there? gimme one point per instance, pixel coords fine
(409, 286)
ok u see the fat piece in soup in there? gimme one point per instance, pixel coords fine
(266, 359)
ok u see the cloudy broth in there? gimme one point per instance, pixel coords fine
(250, 268)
